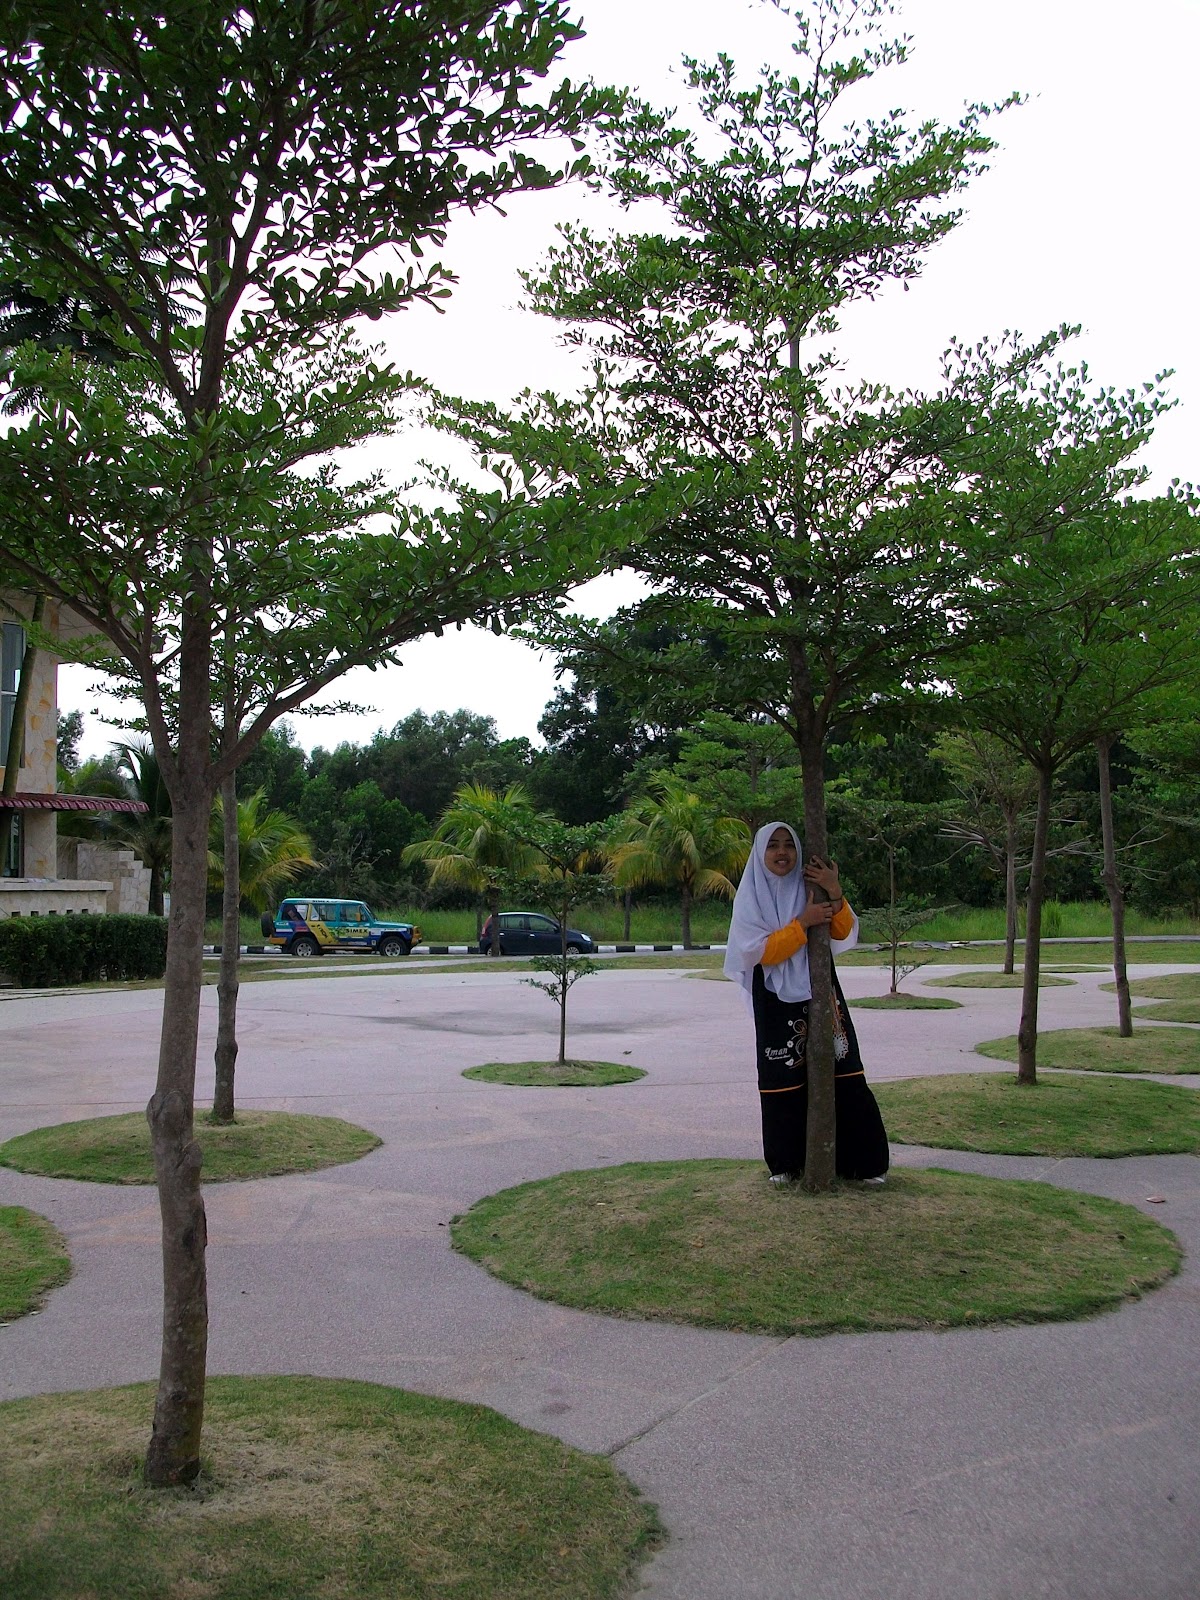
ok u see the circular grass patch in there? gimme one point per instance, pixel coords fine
(260, 1144)
(1167, 986)
(555, 1074)
(712, 1243)
(1103, 1049)
(905, 1002)
(992, 980)
(33, 1260)
(1059, 1116)
(1172, 1011)
(309, 1487)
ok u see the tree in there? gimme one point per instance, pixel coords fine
(232, 185)
(482, 839)
(1101, 612)
(563, 878)
(670, 837)
(747, 769)
(148, 833)
(794, 527)
(273, 849)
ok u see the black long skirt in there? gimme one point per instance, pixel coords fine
(781, 1034)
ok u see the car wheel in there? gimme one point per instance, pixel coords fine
(394, 945)
(492, 950)
(306, 946)
(574, 949)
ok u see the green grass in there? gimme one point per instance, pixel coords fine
(1059, 1116)
(712, 1243)
(1170, 986)
(1103, 1049)
(658, 923)
(310, 1488)
(993, 980)
(905, 1002)
(1060, 920)
(554, 1074)
(33, 1260)
(260, 1144)
(1181, 988)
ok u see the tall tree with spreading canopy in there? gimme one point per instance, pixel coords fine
(232, 185)
(790, 524)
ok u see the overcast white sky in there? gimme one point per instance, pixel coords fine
(1087, 216)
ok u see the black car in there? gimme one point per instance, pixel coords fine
(532, 933)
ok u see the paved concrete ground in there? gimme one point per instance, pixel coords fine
(1050, 1461)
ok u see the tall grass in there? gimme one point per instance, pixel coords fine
(658, 923)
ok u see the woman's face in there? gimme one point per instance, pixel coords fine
(780, 855)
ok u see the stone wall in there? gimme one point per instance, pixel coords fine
(37, 897)
(89, 859)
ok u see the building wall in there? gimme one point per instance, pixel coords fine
(39, 772)
(21, 897)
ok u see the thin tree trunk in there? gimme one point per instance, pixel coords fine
(15, 752)
(891, 850)
(563, 986)
(225, 1056)
(1027, 1032)
(1010, 894)
(820, 1154)
(156, 890)
(628, 913)
(173, 1455)
(494, 908)
(1112, 883)
(685, 914)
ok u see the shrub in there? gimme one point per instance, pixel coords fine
(49, 952)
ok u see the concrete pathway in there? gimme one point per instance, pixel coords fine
(1049, 1461)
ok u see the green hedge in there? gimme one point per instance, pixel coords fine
(48, 952)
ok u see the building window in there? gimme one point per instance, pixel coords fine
(12, 653)
(12, 845)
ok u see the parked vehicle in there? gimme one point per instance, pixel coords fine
(306, 928)
(531, 933)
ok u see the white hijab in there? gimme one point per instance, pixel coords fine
(762, 905)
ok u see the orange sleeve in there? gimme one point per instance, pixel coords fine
(841, 925)
(782, 945)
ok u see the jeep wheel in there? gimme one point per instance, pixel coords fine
(394, 945)
(305, 945)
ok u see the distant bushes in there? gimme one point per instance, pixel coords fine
(51, 952)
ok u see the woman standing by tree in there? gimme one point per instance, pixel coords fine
(767, 954)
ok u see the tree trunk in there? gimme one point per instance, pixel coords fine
(891, 850)
(685, 914)
(820, 1153)
(174, 1452)
(173, 1455)
(1010, 894)
(494, 908)
(1112, 883)
(15, 752)
(1027, 1032)
(225, 1056)
(563, 985)
(628, 913)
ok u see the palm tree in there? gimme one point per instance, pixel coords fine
(481, 836)
(147, 833)
(273, 850)
(672, 838)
